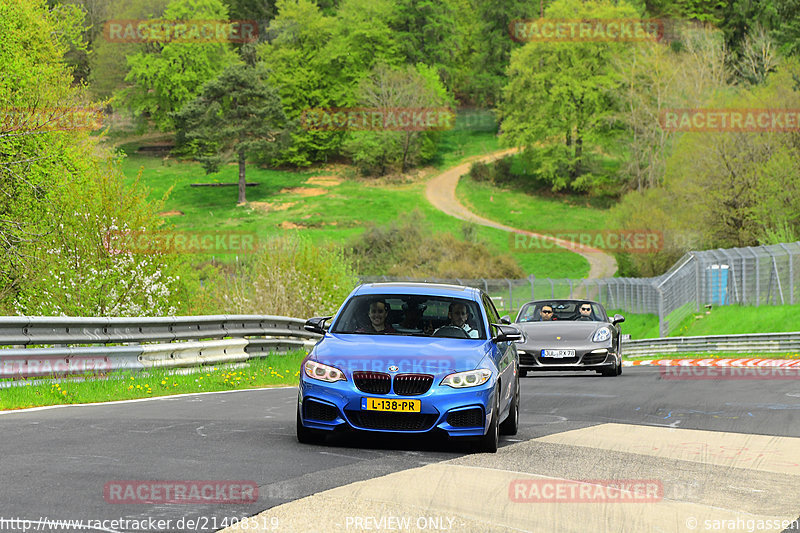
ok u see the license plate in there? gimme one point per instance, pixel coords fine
(558, 353)
(396, 406)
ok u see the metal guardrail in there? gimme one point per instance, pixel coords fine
(44, 346)
(750, 342)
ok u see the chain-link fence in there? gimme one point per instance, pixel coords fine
(764, 275)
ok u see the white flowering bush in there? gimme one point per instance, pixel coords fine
(85, 276)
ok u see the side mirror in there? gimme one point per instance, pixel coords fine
(317, 324)
(505, 319)
(618, 319)
(506, 333)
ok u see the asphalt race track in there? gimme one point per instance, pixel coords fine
(719, 455)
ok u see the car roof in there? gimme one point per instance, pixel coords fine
(418, 289)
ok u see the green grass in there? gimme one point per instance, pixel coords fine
(273, 370)
(538, 214)
(639, 326)
(736, 319)
(720, 320)
(336, 216)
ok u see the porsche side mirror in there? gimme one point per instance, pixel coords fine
(505, 319)
(618, 319)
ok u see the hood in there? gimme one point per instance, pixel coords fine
(568, 330)
(426, 355)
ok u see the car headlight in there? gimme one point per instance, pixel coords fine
(602, 334)
(316, 370)
(471, 378)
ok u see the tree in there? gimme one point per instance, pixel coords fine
(563, 90)
(654, 78)
(235, 115)
(391, 90)
(171, 73)
(61, 192)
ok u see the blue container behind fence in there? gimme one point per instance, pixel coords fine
(717, 283)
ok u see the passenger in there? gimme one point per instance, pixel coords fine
(585, 312)
(378, 311)
(547, 313)
(458, 314)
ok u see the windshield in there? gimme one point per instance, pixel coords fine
(411, 315)
(562, 310)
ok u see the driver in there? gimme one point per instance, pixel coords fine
(458, 314)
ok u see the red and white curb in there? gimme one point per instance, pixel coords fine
(784, 363)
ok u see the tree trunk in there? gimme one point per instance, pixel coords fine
(242, 179)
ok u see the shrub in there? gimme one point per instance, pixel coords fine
(288, 276)
(405, 248)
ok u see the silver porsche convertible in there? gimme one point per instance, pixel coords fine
(569, 335)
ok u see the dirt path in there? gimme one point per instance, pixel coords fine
(441, 192)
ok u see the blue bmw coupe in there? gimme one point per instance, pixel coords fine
(412, 358)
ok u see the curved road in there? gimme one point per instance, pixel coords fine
(713, 450)
(441, 192)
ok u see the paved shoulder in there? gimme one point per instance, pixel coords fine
(609, 477)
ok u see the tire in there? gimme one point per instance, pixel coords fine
(488, 443)
(306, 435)
(510, 425)
(615, 370)
(523, 373)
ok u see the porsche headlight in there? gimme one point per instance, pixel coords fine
(602, 334)
(471, 378)
(316, 370)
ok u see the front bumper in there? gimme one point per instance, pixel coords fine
(458, 412)
(586, 358)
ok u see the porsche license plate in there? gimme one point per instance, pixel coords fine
(396, 406)
(558, 353)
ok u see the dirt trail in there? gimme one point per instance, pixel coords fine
(441, 192)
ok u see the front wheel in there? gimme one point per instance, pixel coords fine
(488, 443)
(510, 425)
(523, 373)
(306, 435)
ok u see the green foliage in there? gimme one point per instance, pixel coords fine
(563, 90)
(288, 276)
(723, 189)
(404, 248)
(172, 73)
(378, 152)
(235, 115)
(107, 62)
(63, 194)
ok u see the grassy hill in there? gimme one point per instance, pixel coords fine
(328, 204)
